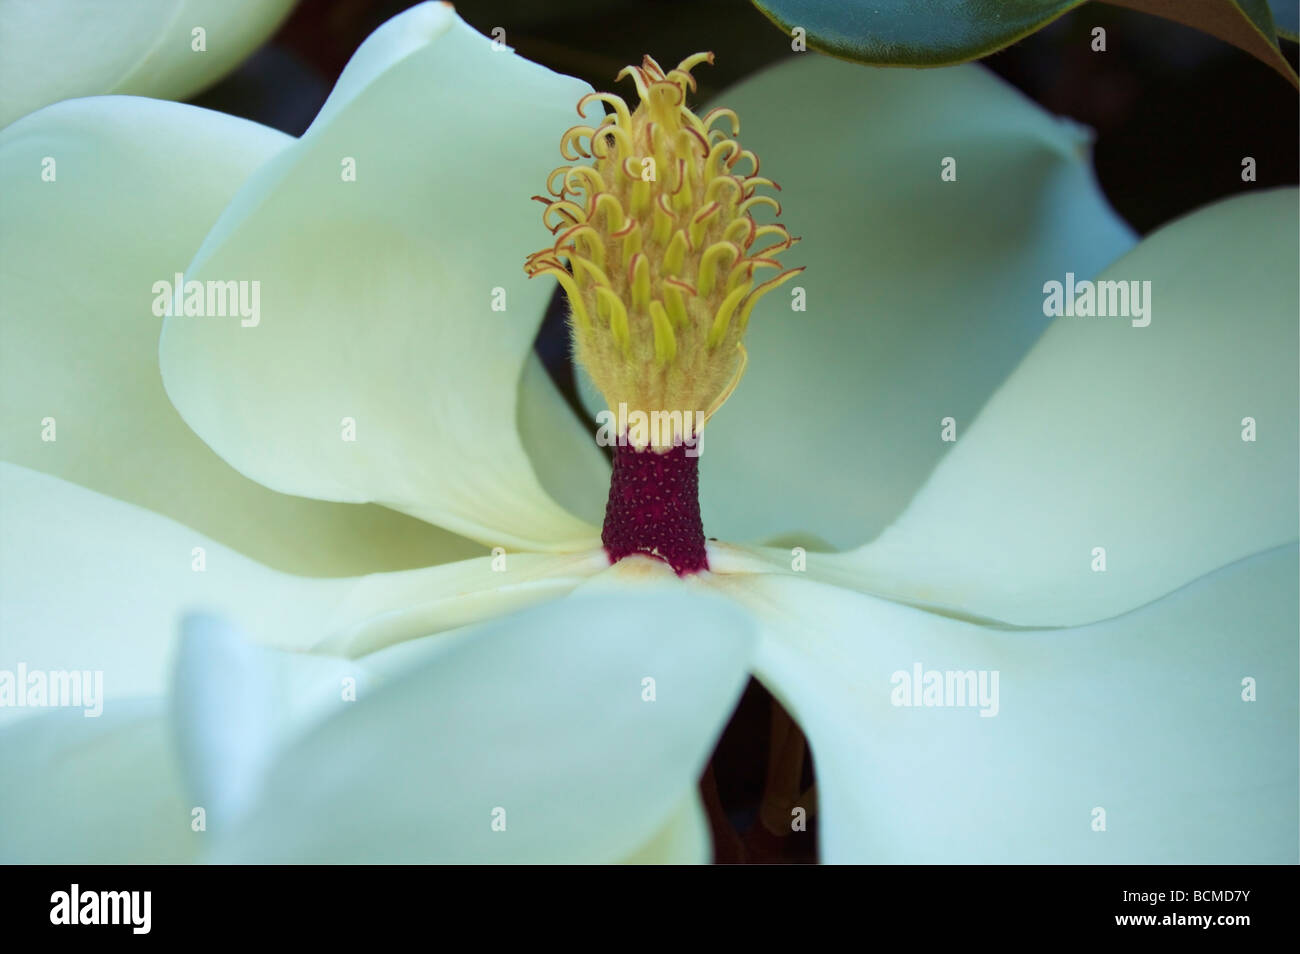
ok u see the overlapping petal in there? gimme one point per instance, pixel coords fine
(95, 585)
(396, 609)
(155, 780)
(684, 840)
(154, 783)
(1120, 462)
(1174, 726)
(94, 791)
(92, 583)
(234, 704)
(528, 739)
(103, 198)
(921, 294)
(55, 51)
(379, 292)
(568, 462)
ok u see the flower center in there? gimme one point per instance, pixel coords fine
(654, 508)
(660, 255)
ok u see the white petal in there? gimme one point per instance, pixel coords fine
(234, 704)
(391, 609)
(55, 51)
(143, 782)
(1124, 439)
(541, 716)
(95, 584)
(685, 840)
(99, 586)
(567, 461)
(92, 583)
(377, 294)
(94, 791)
(1141, 716)
(921, 294)
(136, 185)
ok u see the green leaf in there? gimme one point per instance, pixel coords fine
(1286, 19)
(944, 32)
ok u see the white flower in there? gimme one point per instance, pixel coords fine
(1119, 690)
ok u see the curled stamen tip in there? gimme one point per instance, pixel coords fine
(668, 89)
(652, 238)
(695, 60)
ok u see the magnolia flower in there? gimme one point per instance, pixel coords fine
(1109, 537)
(169, 48)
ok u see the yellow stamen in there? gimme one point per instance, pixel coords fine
(591, 182)
(760, 291)
(676, 254)
(655, 218)
(673, 301)
(665, 342)
(639, 278)
(664, 219)
(571, 289)
(721, 112)
(640, 199)
(709, 263)
(719, 328)
(631, 237)
(595, 272)
(700, 223)
(613, 210)
(759, 200)
(620, 107)
(570, 210)
(613, 305)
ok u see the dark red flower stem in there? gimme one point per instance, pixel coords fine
(654, 508)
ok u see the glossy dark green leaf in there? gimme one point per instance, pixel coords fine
(1286, 17)
(943, 32)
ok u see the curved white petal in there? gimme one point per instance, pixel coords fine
(98, 586)
(392, 609)
(94, 791)
(538, 722)
(921, 294)
(234, 704)
(92, 583)
(1142, 716)
(685, 840)
(1124, 439)
(377, 292)
(103, 198)
(567, 460)
(54, 51)
(148, 782)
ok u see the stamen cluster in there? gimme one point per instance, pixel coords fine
(656, 244)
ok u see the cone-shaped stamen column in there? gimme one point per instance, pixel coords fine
(658, 250)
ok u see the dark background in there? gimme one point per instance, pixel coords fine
(1174, 112)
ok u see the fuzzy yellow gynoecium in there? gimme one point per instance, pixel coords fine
(656, 244)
